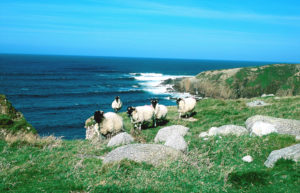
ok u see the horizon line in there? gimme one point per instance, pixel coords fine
(142, 57)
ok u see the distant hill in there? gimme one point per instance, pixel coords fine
(278, 79)
(11, 120)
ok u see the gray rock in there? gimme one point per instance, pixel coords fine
(154, 154)
(297, 138)
(282, 126)
(291, 153)
(120, 139)
(225, 130)
(257, 104)
(267, 95)
(176, 141)
(163, 134)
(260, 128)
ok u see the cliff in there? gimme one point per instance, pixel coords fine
(278, 79)
(11, 120)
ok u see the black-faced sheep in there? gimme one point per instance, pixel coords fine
(160, 111)
(117, 104)
(109, 123)
(140, 114)
(185, 105)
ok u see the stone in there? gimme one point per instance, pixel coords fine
(282, 126)
(154, 154)
(203, 134)
(289, 153)
(260, 128)
(176, 141)
(267, 95)
(247, 158)
(297, 138)
(225, 130)
(163, 134)
(257, 104)
(120, 139)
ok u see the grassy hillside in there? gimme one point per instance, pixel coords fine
(214, 165)
(278, 79)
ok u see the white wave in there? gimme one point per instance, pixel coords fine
(152, 82)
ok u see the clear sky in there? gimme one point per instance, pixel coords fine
(261, 30)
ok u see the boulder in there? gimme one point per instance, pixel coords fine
(120, 139)
(154, 154)
(260, 128)
(291, 153)
(163, 134)
(282, 126)
(225, 130)
(176, 141)
(257, 104)
(247, 158)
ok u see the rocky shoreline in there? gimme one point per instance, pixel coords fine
(278, 79)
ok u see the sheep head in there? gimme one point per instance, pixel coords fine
(130, 110)
(98, 116)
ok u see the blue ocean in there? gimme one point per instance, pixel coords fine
(58, 93)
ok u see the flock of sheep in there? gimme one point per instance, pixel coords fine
(111, 123)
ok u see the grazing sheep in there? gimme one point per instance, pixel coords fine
(141, 114)
(117, 104)
(109, 123)
(185, 105)
(160, 111)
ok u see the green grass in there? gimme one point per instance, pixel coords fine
(214, 165)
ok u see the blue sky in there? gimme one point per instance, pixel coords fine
(203, 29)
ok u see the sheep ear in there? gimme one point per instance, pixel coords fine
(101, 112)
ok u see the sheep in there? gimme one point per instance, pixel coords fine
(109, 123)
(185, 105)
(117, 104)
(160, 111)
(140, 114)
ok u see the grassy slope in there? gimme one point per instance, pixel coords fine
(214, 165)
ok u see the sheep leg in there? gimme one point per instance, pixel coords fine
(179, 115)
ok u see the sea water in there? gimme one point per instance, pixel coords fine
(57, 94)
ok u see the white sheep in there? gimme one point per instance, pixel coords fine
(185, 105)
(109, 123)
(140, 114)
(117, 104)
(160, 111)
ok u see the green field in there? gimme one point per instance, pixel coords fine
(215, 165)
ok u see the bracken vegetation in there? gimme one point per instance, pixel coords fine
(215, 165)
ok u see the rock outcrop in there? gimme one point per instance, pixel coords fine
(164, 133)
(225, 130)
(120, 139)
(290, 153)
(154, 154)
(260, 125)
